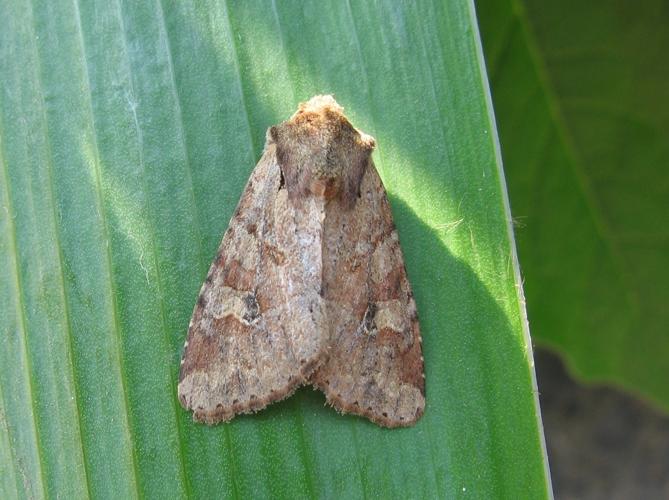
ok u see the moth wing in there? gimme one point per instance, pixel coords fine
(258, 329)
(375, 363)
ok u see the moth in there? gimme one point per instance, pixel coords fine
(308, 286)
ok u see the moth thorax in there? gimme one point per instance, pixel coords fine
(325, 186)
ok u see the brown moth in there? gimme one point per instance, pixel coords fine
(308, 286)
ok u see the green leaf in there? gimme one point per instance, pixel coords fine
(127, 132)
(582, 100)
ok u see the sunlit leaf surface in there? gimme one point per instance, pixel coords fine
(127, 132)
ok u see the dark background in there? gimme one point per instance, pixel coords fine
(581, 98)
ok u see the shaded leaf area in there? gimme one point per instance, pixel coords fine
(127, 132)
(582, 102)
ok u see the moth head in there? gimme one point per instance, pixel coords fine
(320, 152)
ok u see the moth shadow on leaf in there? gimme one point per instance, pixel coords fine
(469, 346)
(476, 358)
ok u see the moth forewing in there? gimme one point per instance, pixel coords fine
(308, 285)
